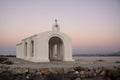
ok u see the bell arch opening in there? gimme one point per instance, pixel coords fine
(56, 49)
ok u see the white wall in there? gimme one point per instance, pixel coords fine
(19, 50)
(41, 47)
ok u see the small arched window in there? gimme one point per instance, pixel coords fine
(25, 49)
(32, 48)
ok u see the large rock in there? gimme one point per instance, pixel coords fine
(82, 74)
(8, 62)
(57, 70)
(2, 59)
(78, 68)
(45, 71)
(30, 70)
(77, 79)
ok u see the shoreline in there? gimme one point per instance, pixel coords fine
(78, 70)
(79, 61)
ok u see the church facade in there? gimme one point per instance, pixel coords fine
(46, 46)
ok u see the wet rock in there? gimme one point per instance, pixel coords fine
(107, 78)
(45, 71)
(87, 73)
(93, 72)
(53, 76)
(69, 70)
(82, 74)
(77, 79)
(66, 79)
(71, 76)
(57, 70)
(38, 73)
(30, 70)
(19, 77)
(76, 72)
(1, 68)
(6, 76)
(8, 62)
(2, 59)
(102, 73)
(78, 68)
(20, 70)
(117, 62)
(113, 74)
(36, 77)
(100, 60)
(2, 65)
(26, 70)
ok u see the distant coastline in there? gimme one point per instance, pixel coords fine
(99, 54)
(78, 54)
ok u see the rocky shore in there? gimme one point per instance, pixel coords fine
(15, 69)
(75, 73)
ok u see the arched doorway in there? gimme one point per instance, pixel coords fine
(56, 49)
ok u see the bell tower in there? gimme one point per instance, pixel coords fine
(55, 26)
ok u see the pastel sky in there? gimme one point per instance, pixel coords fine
(93, 25)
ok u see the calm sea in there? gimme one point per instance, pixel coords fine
(95, 58)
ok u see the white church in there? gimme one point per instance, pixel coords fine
(46, 46)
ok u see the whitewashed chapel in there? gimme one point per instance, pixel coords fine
(45, 47)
